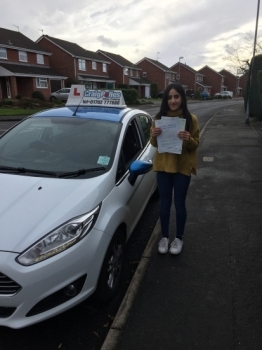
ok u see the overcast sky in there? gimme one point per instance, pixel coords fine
(199, 31)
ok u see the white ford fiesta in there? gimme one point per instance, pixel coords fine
(74, 182)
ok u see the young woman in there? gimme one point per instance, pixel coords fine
(174, 170)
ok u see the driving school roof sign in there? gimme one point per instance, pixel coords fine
(79, 96)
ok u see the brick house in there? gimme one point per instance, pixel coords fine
(231, 82)
(126, 73)
(213, 79)
(80, 65)
(189, 77)
(24, 66)
(157, 72)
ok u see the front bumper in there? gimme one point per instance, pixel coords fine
(41, 281)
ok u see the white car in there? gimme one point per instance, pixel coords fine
(224, 94)
(61, 94)
(74, 183)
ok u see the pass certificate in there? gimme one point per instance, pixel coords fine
(168, 141)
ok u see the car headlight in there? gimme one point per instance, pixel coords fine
(60, 239)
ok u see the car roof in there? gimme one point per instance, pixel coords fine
(92, 104)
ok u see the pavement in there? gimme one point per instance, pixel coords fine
(208, 297)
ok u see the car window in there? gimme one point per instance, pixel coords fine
(131, 148)
(145, 123)
(60, 144)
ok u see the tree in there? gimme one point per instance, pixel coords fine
(240, 55)
(153, 90)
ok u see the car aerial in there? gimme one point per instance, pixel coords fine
(75, 181)
(61, 94)
(224, 94)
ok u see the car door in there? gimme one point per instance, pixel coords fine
(135, 147)
(63, 94)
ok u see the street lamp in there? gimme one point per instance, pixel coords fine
(180, 58)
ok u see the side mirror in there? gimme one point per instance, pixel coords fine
(138, 167)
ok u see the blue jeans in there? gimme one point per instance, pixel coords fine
(167, 184)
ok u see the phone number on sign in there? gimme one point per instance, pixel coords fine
(102, 102)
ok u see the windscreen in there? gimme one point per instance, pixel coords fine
(59, 144)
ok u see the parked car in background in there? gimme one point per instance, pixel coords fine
(160, 94)
(224, 94)
(75, 181)
(203, 94)
(61, 94)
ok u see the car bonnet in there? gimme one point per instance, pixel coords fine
(31, 207)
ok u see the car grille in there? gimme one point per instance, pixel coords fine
(8, 287)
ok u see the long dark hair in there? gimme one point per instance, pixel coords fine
(164, 105)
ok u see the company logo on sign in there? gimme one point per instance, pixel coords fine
(102, 94)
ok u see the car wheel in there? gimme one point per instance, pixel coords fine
(53, 98)
(112, 267)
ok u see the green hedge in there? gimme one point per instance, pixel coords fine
(197, 94)
(253, 92)
(259, 78)
(38, 94)
(130, 95)
(153, 90)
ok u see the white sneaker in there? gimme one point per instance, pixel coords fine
(176, 246)
(163, 245)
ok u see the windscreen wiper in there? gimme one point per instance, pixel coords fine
(81, 172)
(21, 170)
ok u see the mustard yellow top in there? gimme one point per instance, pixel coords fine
(184, 163)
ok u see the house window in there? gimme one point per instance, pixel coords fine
(39, 58)
(3, 53)
(41, 83)
(81, 64)
(22, 56)
(126, 71)
(131, 72)
(104, 67)
(144, 74)
(94, 65)
(137, 73)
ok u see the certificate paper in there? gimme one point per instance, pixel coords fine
(168, 141)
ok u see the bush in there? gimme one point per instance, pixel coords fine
(253, 91)
(197, 94)
(153, 90)
(130, 95)
(38, 94)
(259, 78)
(70, 81)
(7, 102)
(18, 97)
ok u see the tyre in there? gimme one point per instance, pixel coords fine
(112, 267)
(53, 98)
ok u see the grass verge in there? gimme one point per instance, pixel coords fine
(19, 111)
